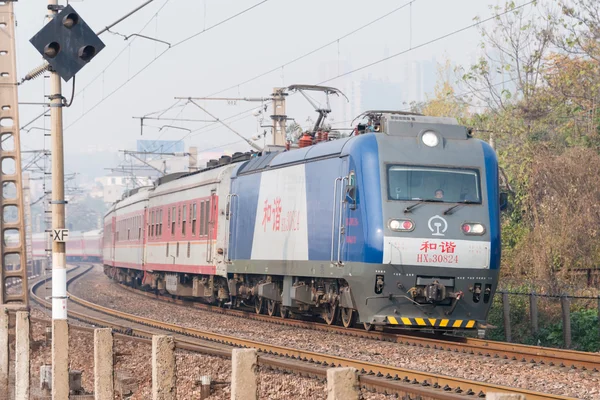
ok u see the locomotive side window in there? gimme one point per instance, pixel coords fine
(448, 185)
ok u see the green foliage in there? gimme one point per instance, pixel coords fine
(584, 331)
(538, 84)
(584, 323)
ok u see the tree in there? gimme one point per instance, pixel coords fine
(444, 102)
(83, 214)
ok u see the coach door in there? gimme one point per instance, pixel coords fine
(212, 226)
(114, 240)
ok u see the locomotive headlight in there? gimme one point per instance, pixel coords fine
(473, 229)
(401, 225)
(430, 139)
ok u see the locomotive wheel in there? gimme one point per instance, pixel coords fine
(368, 326)
(283, 311)
(258, 305)
(330, 313)
(348, 317)
(271, 307)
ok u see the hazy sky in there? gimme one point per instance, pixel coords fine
(257, 41)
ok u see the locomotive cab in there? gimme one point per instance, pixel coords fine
(439, 201)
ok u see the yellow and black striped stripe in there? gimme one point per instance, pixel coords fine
(432, 322)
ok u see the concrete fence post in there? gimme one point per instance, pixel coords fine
(244, 374)
(506, 313)
(342, 384)
(103, 365)
(4, 351)
(163, 368)
(533, 312)
(22, 356)
(566, 319)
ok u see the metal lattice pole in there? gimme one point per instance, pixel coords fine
(12, 251)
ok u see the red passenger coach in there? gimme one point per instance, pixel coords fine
(124, 239)
(81, 246)
(157, 235)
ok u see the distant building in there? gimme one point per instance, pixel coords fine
(114, 185)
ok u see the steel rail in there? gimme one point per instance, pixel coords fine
(487, 348)
(313, 370)
(372, 375)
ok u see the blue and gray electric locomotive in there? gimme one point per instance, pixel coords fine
(397, 225)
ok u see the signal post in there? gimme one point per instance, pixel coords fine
(67, 44)
(60, 328)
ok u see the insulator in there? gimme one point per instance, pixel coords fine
(35, 73)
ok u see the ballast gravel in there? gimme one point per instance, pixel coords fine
(98, 288)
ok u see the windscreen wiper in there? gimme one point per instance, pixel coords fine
(419, 202)
(460, 203)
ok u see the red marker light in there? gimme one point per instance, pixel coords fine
(473, 229)
(401, 225)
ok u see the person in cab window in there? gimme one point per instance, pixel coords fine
(439, 194)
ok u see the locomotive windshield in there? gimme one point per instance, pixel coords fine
(446, 185)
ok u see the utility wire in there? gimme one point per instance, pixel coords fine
(123, 49)
(335, 41)
(429, 42)
(104, 70)
(160, 55)
(220, 23)
(198, 131)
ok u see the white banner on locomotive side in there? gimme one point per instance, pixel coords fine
(280, 231)
(449, 253)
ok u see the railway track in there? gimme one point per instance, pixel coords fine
(377, 377)
(486, 348)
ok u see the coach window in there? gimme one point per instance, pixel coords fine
(139, 228)
(160, 220)
(183, 216)
(191, 215)
(168, 218)
(173, 221)
(207, 219)
(177, 254)
(201, 230)
(152, 224)
(157, 223)
(193, 219)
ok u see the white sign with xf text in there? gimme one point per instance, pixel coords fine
(60, 235)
